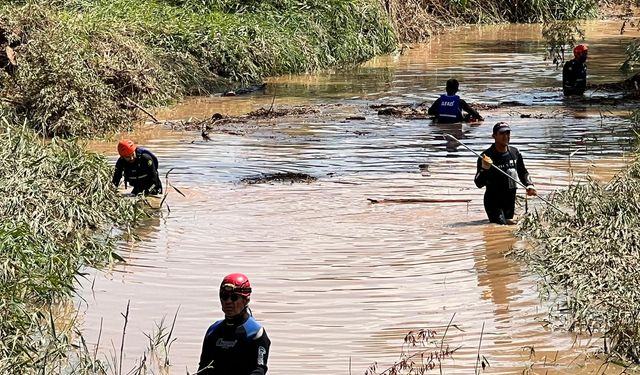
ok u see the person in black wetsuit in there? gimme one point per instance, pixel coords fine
(238, 344)
(448, 108)
(574, 72)
(500, 193)
(140, 169)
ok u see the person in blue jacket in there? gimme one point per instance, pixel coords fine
(237, 344)
(448, 108)
(139, 167)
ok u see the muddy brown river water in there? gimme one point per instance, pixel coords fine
(338, 281)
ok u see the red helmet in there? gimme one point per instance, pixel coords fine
(580, 50)
(126, 148)
(237, 283)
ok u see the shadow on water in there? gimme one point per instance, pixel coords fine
(338, 280)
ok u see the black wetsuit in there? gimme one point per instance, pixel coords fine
(500, 195)
(461, 106)
(142, 173)
(238, 346)
(574, 77)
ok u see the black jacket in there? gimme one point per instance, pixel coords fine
(235, 347)
(574, 77)
(510, 162)
(142, 173)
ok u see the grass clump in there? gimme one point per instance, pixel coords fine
(57, 214)
(416, 20)
(73, 75)
(589, 260)
(80, 63)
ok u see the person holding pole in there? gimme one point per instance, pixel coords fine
(501, 181)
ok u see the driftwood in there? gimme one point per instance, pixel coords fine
(283, 177)
(245, 90)
(630, 86)
(417, 200)
(155, 120)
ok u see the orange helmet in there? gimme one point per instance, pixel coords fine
(126, 148)
(580, 50)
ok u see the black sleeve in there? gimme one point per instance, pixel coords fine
(117, 174)
(481, 174)
(433, 110)
(156, 177)
(568, 77)
(262, 345)
(523, 174)
(206, 357)
(467, 108)
(153, 172)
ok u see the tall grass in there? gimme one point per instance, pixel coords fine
(416, 20)
(80, 60)
(58, 211)
(589, 260)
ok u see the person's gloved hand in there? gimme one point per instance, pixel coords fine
(486, 162)
(531, 191)
(153, 190)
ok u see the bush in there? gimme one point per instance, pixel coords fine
(57, 212)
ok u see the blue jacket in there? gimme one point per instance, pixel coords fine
(449, 109)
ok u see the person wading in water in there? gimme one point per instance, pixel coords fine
(574, 72)
(448, 108)
(140, 169)
(500, 193)
(238, 344)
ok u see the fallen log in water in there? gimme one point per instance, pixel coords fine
(417, 200)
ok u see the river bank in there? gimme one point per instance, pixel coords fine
(58, 214)
(85, 68)
(82, 68)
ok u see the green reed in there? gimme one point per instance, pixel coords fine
(416, 20)
(422, 351)
(81, 63)
(58, 213)
(80, 60)
(589, 259)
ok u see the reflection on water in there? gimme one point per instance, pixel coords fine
(338, 281)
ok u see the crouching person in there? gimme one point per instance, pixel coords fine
(140, 169)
